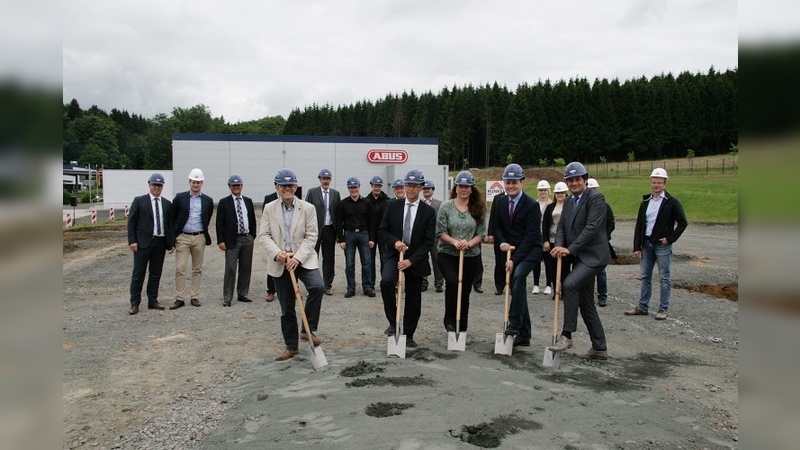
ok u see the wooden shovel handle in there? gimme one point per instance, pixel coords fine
(511, 248)
(399, 289)
(558, 296)
(299, 299)
(460, 283)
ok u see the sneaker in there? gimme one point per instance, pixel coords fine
(349, 294)
(536, 289)
(562, 344)
(596, 354)
(548, 290)
(661, 315)
(636, 312)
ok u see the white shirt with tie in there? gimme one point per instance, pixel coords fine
(157, 226)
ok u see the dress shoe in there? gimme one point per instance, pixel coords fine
(369, 293)
(450, 328)
(389, 331)
(286, 355)
(328, 291)
(440, 289)
(314, 340)
(226, 303)
(536, 289)
(476, 289)
(410, 342)
(512, 330)
(596, 354)
(562, 344)
(349, 294)
(424, 288)
(270, 297)
(194, 302)
(636, 312)
(178, 304)
(134, 310)
(661, 315)
(548, 290)
(602, 303)
(155, 305)
(521, 342)
(498, 292)
(244, 299)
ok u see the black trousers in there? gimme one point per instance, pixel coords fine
(499, 268)
(412, 306)
(449, 266)
(152, 256)
(327, 241)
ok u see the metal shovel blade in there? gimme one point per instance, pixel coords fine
(551, 358)
(317, 357)
(396, 346)
(503, 344)
(457, 341)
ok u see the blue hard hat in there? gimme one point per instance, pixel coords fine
(285, 177)
(324, 173)
(156, 178)
(376, 180)
(353, 182)
(513, 172)
(428, 184)
(398, 183)
(414, 176)
(575, 169)
(464, 178)
(235, 180)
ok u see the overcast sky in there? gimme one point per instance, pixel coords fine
(250, 59)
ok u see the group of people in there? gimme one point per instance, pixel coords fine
(407, 232)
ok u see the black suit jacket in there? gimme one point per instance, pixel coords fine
(314, 197)
(140, 222)
(583, 230)
(269, 198)
(180, 208)
(422, 235)
(524, 232)
(228, 221)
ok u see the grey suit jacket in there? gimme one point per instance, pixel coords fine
(583, 230)
(314, 197)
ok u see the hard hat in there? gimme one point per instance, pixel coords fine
(428, 184)
(560, 187)
(196, 175)
(591, 183)
(324, 173)
(414, 176)
(513, 172)
(377, 180)
(574, 169)
(235, 180)
(398, 183)
(353, 182)
(285, 177)
(659, 172)
(464, 178)
(156, 178)
(543, 185)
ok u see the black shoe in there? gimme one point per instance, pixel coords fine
(602, 303)
(244, 299)
(521, 342)
(478, 290)
(410, 342)
(498, 292)
(224, 303)
(450, 328)
(512, 330)
(424, 288)
(389, 331)
(369, 293)
(177, 304)
(439, 289)
(195, 302)
(349, 294)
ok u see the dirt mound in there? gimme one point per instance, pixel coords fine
(390, 381)
(728, 291)
(361, 368)
(491, 434)
(387, 409)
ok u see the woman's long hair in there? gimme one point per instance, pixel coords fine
(475, 204)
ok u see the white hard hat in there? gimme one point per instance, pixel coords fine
(543, 185)
(560, 187)
(591, 183)
(196, 175)
(659, 172)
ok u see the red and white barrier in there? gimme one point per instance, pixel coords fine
(69, 220)
(94, 216)
(126, 211)
(110, 213)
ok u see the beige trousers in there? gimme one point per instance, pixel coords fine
(187, 245)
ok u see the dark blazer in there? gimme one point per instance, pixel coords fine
(524, 232)
(140, 222)
(583, 231)
(180, 210)
(228, 221)
(269, 198)
(314, 197)
(670, 213)
(422, 236)
(547, 221)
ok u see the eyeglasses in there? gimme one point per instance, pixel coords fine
(287, 186)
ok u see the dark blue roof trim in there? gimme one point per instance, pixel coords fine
(293, 138)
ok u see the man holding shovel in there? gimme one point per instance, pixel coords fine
(290, 226)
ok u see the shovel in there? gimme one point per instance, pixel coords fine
(397, 343)
(456, 340)
(551, 358)
(503, 343)
(315, 353)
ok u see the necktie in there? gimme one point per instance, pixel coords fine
(325, 201)
(428, 202)
(576, 201)
(510, 210)
(240, 215)
(158, 218)
(407, 225)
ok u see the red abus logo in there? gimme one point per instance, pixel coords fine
(387, 156)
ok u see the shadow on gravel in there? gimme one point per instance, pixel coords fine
(387, 409)
(390, 381)
(491, 434)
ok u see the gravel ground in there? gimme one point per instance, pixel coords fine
(205, 377)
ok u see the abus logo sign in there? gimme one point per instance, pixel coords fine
(387, 156)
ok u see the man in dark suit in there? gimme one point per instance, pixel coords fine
(270, 281)
(408, 225)
(581, 238)
(499, 273)
(191, 212)
(438, 280)
(150, 233)
(517, 224)
(324, 199)
(236, 232)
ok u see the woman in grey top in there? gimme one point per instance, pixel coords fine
(460, 225)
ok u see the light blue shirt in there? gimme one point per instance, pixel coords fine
(195, 222)
(653, 205)
(288, 214)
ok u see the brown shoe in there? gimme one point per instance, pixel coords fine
(286, 355)
(270, 297)
(636, 312)
(317, 341)
(134, 310)
(155, 305)
(596, 354)
(328, 291)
